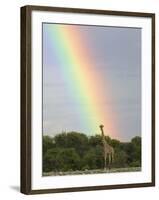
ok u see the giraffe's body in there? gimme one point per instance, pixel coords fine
(108, 150)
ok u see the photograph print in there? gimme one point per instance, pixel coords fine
(91, 99)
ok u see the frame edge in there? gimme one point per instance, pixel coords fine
(88, 11)
(25, 107)
(153, 98)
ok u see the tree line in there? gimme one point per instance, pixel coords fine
(76, 151)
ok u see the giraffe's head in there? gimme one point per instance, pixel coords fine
(101, 127)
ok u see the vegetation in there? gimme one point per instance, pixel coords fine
(74, 151)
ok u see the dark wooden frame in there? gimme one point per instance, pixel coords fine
(26, 98)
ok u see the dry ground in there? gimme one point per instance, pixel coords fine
(95, 171)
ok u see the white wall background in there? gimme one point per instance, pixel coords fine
(10, 98)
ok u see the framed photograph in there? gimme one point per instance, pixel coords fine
(87, 99)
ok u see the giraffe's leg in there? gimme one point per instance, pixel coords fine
(109, 160)
(105, 161)
(112, 157)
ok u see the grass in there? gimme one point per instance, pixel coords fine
(95, 171)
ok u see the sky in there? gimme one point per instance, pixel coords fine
(92, 76)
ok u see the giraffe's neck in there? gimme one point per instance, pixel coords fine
(103, 138)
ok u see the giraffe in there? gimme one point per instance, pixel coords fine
(108, 150)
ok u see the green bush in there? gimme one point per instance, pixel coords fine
(76, 151)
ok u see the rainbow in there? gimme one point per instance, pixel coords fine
(76, 61)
